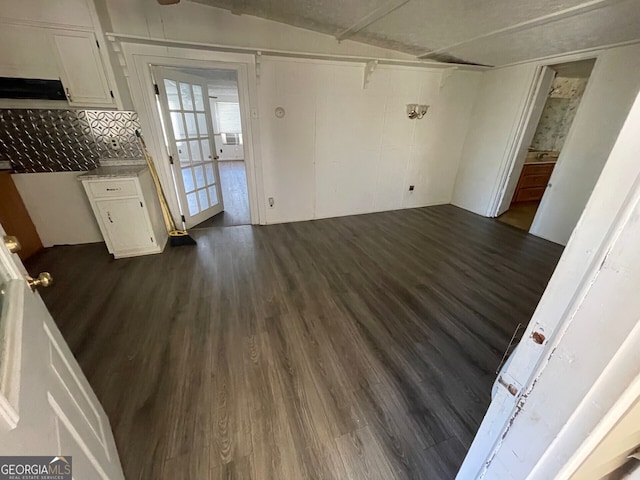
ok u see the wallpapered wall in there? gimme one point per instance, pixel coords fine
(558, 113)
(65, 140)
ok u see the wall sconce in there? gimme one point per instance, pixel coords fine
(416, 111)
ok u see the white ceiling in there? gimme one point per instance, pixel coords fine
(488, 32)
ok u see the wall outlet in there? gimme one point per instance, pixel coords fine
(271, 202)
(114, 143)
(411, 188)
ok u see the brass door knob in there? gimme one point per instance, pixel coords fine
(12, 243)
(44, 280)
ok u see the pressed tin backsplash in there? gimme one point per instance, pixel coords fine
(65, 140)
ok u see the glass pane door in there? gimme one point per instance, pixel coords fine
(188, 124)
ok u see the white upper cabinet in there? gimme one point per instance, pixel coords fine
(81, 69)
(58, 39)
(26, 52)
(76, 13)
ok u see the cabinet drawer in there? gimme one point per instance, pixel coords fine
(113, 188)
(531, 169)
(529, 194)
(534, 181)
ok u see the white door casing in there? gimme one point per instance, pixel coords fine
(140, 57)
(47, 407)
(528, 124)
(190, 136)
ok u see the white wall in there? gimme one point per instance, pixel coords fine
(342, 150)
(58, 207)
(228, 152)
(195, 22)
(612, 86)
(610, 92)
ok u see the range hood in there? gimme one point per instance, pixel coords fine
(31, 88)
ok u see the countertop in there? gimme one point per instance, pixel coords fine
(118, 171)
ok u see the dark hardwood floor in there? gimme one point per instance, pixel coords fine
(233, 180)
(520, 215)
(358, 347)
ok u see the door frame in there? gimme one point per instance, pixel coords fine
(525, 130)
(138, 59)
(617, 413)
(506, 179)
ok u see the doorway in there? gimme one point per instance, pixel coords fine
(229, 139)
(532, 177)
(202, 123)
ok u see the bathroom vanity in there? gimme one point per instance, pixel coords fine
(535, 175)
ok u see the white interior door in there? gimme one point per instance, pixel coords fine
(184, 102)
(528, 127)
(47, 407)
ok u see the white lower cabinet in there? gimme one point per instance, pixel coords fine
(128, 213)
(123, 219)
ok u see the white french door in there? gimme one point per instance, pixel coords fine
(47, 407)
(184, 101)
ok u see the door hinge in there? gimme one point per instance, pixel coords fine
(183, 219)
(156, 89)
(141, 205)
(98, 44)
(151, 239)
(509, 386)
(112, 95)
(171, 159)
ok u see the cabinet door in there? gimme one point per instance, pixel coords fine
(27, 52)
(126, 224)
(529, 194)
(81, 69)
